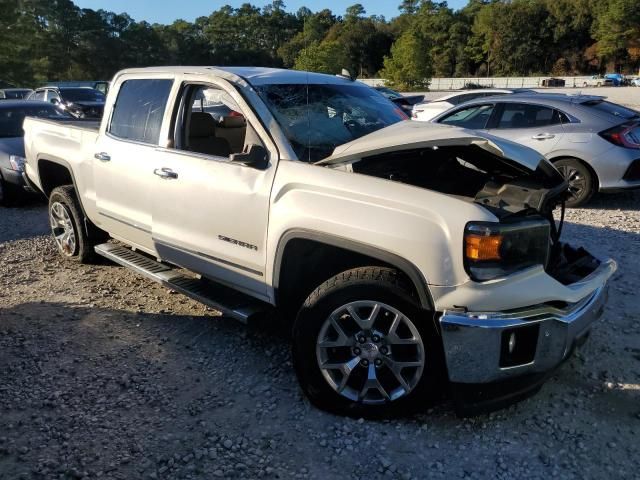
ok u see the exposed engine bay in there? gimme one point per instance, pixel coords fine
(509, 190)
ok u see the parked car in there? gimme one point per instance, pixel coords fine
(100, 85)
(12, 115)
(426, 111)
(403, 253)
(594, 143)
(618, 79)
(405, 102)
(598, 81)
(553, 82)
(81, 102)
(635, 82)
(14, 93)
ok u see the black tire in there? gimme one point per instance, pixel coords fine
(582, 183)
(383, 286)
(63, 204)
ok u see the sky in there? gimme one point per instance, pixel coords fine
(166, 11)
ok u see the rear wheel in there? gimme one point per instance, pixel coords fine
(581, 181)
(362, 347)
(74, 242)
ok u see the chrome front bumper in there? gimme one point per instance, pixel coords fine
(476, 344)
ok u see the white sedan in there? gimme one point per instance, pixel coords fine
(428, 110)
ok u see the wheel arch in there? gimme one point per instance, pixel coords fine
(337, 254)
(583, 162)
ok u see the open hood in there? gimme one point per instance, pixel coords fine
(410, 135)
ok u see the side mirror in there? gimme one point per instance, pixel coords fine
(255, 156)
(55, 101)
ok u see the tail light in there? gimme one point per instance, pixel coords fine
(493, 250)
(626, 135)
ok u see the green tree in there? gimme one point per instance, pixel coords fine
(409, 65)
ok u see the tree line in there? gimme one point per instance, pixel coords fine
(45, 40)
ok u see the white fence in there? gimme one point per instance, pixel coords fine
(496, 82)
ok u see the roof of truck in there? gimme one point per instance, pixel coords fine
(254, 75)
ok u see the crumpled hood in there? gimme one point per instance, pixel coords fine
(408, 135)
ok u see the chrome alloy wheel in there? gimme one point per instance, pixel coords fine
(62, 229)
(370, 352)
(575, 178)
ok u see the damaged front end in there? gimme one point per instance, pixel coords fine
(523, 195)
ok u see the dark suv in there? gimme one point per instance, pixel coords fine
(81, 102)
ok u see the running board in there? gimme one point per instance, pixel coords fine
(229, 302)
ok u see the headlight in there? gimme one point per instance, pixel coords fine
(17, 162)
(493, 250)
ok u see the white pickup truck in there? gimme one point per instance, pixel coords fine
(411, 258)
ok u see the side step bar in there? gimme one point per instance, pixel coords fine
(229, 302)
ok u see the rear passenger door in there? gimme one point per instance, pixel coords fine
(123, 159)
(536, 126)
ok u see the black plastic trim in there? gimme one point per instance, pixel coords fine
(416, 277)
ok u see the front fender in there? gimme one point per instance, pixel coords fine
(423, 228)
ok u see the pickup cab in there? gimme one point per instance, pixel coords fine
(410, 258)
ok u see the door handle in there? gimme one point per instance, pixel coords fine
(165, 173)
(102, 156)
(543, 136)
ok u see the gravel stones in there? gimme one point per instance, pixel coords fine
(103, 374)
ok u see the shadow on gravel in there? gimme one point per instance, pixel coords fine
(25, 221)
(615, 201)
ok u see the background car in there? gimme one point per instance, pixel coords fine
(81, 102)
(428, 110)
(100, 85)
(635, 82)
(597, 81)
(594, 143)
(12, 114)
(618, 79)
(405, 102)
(14, 93)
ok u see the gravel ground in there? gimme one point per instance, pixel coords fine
(106, 375)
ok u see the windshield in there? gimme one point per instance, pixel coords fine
(612, 109)
(317, 118)
(81, 95)
(11, 118)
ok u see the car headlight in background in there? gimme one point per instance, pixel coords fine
(17, 162)
(493, 250)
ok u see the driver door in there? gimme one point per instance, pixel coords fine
(210, 213)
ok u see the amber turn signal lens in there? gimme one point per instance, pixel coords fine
(483, 247)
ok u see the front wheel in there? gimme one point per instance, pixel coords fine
(580, 179)
(363, 348)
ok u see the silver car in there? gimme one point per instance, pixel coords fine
(595, 144)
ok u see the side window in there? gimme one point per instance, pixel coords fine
(475, 117)
(137, 114)
(520, 115)
(211, 123)
(39, 95)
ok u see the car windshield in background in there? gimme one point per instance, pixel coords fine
(82, 95)
(612, 109)
(11, 118)
(318, 118)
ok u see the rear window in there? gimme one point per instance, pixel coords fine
(612, 109)
(139, 109)
(11, 118)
